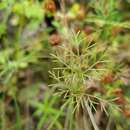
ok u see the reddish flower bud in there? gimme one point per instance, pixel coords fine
(50, 6)
(127, 112)
(55, 39)
(107, 78)
(88, 30)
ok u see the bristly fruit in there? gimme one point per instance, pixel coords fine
(118, 92)
(55, 39)
(120, 100)
(88, 29)
(126, 112)
(108, 78)
(50, 6)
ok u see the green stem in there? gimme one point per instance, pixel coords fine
(91, 115)
(18, 119)
(107, 22)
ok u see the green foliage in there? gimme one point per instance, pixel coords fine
(46, 111)
(29, 10)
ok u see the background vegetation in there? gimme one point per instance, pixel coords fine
(64, 65)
